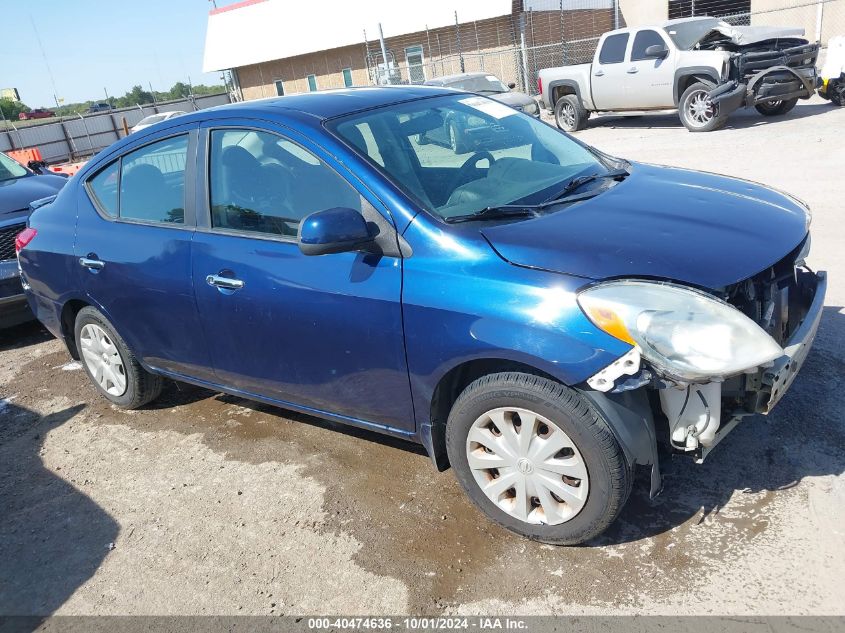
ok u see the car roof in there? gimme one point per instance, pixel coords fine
(327, 104)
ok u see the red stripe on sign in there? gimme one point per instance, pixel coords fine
(237, 5)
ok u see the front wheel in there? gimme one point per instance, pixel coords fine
(775, 108)
(537, 458)
(698, 113)
(110, 364)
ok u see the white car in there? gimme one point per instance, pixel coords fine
(153, 119)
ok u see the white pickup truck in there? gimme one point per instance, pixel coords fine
(704, 67)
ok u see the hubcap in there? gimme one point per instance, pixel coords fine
(527, 466)
(567, 115)
(102, 359)
(700, 110)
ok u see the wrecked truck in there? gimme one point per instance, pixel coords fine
(704, 67)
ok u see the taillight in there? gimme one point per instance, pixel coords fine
(539, 85)
(24, 238)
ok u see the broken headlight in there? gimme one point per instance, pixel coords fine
(682, 332)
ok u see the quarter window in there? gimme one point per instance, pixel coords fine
(613, 49)
(103, 188)
(642, 41)
(263, 183)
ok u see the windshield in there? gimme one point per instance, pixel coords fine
(685, 35)
(456, 155)
(486, 84)
(10, 169)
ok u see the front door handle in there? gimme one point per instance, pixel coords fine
(227, 283)
(599, 73)
(91, 264)
(632, 70)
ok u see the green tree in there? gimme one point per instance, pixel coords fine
(11, 109)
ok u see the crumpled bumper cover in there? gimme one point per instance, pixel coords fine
(778, 82)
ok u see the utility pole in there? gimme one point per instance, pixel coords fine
(458, 35)
(383, 55)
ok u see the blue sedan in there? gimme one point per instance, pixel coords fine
(540, 316)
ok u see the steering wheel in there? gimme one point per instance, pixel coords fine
(463, 173)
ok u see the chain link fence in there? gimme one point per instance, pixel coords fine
(515, 48)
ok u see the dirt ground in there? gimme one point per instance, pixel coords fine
(205, 503)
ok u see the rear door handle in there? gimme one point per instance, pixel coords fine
(227, 283)
(632, 70)
(91, 264)
(599, 73)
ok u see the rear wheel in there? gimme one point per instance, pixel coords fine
(110, 364)
(537, 458)
(775, 108)
(570, 115)
(698, 113)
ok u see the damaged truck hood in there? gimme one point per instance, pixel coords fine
(746, 35)
(686, 226)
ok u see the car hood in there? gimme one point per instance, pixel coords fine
(691, 227)
(745, 35)
(15, 195)
(512, 98)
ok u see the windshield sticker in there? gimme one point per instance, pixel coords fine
(489, 107)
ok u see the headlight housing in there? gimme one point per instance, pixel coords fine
(682, 332)
(530, 108)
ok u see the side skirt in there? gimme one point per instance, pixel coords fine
(283, 404)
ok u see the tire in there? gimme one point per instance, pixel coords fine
(599, 478)
(570, 115)
(775, 108)
(139, 387)
(459, 146)
(696, 112)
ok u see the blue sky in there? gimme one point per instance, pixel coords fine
(91, 45)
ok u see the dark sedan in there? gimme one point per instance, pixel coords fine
(18, 188)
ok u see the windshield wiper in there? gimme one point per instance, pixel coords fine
(580, 181)
(490, 213)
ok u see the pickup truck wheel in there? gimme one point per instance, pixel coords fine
(570, 115)
(535, 457)
(697, 112)
(110, 364)
(774, 108)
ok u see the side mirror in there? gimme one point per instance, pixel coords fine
(656, 51)
(337, 230)
(511, 85)
(38, 166)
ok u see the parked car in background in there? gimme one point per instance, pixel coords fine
(94, 108)
(153, 119)
(538, 314)
(19, 187)
(489, 86)
(467, 132)
(37, 113)
(705, 67)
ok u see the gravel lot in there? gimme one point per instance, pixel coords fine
(211, 504)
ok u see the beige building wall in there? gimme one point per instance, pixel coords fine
(644, 12)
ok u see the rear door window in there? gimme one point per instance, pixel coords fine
(613, 49)
(152, 182)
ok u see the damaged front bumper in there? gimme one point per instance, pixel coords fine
(767, 76)
(696, 417)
